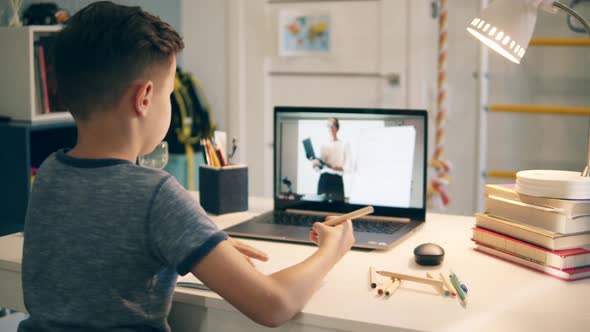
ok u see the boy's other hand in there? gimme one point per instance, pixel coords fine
(248, 251)
(340, 237)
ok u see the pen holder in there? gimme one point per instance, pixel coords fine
(223, 190)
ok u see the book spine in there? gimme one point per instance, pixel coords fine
(518, 248)
(497, 190)
(55, 101)
(569, 208)
(38, 88)
(515, 230)
(44, 79)
(533, 215)
(577, 260)
(559, 274)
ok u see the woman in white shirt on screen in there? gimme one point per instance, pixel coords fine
(334, 161)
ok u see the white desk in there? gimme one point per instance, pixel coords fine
(503, 296)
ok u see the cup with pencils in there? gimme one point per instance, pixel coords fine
(223, 187)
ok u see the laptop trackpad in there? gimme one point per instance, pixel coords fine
(252, 227)
(292, 232)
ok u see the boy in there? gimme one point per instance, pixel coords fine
(105, 238)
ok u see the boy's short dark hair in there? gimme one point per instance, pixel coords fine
(103, 48)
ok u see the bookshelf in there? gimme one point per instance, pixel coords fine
(25, 146)
(19, 95)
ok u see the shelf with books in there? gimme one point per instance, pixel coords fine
(29, 90)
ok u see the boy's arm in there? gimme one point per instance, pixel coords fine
(247, 251)
(274, 299)
(180, 235)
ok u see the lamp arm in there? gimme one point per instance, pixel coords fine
(573, 13)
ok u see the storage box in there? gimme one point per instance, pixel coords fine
(223, 190)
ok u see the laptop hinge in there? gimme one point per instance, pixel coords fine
(325, 214)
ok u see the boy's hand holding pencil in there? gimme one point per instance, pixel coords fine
(338, 237)
(337, 230)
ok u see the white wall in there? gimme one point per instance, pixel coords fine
(461, 127)
(249, 120)
(231, 70)
(204, 28)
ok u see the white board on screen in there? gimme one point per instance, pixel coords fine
(385, 161)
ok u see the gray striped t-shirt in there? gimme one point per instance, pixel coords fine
(104, 242)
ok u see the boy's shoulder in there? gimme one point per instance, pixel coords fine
(110, 184)
(110, 172)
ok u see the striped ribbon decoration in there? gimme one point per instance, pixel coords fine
(437, 189)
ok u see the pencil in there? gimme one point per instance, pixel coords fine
(463, 287)
(212, 154)
(448, 284)
(431, 282)
(373, 277)
(219, 154)
(205, 153)
(440, 288)
(393, 287)
(458, 288)
(349, 216)
(381, 290)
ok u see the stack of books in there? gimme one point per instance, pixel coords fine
(545, 234)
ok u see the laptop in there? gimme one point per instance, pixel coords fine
(371, 157)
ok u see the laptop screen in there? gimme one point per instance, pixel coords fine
(333, 159)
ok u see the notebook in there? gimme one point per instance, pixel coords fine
(570, 207)
(560, 259)
(565, 274)
(531, 234)
(372, 157)
(309, 152)
(536, 215)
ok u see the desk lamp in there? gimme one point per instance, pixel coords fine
(506, 26)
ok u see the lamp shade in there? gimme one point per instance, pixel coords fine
(506, 26)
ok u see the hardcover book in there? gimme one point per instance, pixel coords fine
(561, 259)
(567, 274)
(531, 234)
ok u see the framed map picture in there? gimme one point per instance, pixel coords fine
(304, 34)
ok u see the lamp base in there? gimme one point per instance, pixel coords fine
(553, 184)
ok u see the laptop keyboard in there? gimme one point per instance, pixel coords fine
(307, 220)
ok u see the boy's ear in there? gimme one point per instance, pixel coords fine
(143, 97)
